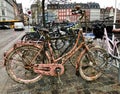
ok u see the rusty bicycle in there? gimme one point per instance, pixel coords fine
(27, 62)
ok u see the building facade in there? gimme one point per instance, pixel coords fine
(20, 15)
(36, 9)
(62, 12)
(6, 10)
(92, 11)
(9, 10)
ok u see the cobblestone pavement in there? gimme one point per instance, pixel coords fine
(106, 84)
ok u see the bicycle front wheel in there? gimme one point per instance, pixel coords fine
(92, 62)
(19, 64)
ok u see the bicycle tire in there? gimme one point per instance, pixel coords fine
(88, 70)
(19, 67)
(33, 36)
(25, 37)
(118, 49)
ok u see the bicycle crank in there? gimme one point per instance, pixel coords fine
(49, 69)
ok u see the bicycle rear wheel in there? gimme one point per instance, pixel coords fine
(19, 64)
(26, 37)
(92, 62)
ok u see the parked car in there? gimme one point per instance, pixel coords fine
(19, 26)
(4, 27)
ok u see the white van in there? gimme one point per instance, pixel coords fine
(19, 26)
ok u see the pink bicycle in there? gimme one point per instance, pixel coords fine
(111, 44)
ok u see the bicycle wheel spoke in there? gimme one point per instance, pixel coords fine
(87, 67)
(91, 64)
(19, 64)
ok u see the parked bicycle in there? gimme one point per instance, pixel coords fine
(24, 63)
(109, 43)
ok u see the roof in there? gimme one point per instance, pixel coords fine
(93, 5)
(72, 5)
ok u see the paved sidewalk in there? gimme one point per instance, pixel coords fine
(106, 84)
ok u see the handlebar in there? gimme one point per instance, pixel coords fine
(78, 11)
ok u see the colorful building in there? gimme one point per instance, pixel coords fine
(64, 11)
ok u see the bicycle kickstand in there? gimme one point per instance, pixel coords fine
(59, 80)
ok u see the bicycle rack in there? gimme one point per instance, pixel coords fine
(119, 73)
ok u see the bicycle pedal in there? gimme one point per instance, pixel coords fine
(77, 73)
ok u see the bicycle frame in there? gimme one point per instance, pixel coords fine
(53, 65)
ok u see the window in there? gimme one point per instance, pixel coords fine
(3, 12)
(2, 3)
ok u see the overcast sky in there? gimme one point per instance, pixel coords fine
(103, 3)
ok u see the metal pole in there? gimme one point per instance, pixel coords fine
(115, 14)
(28, 24)
(113, 37)
(43, 12)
